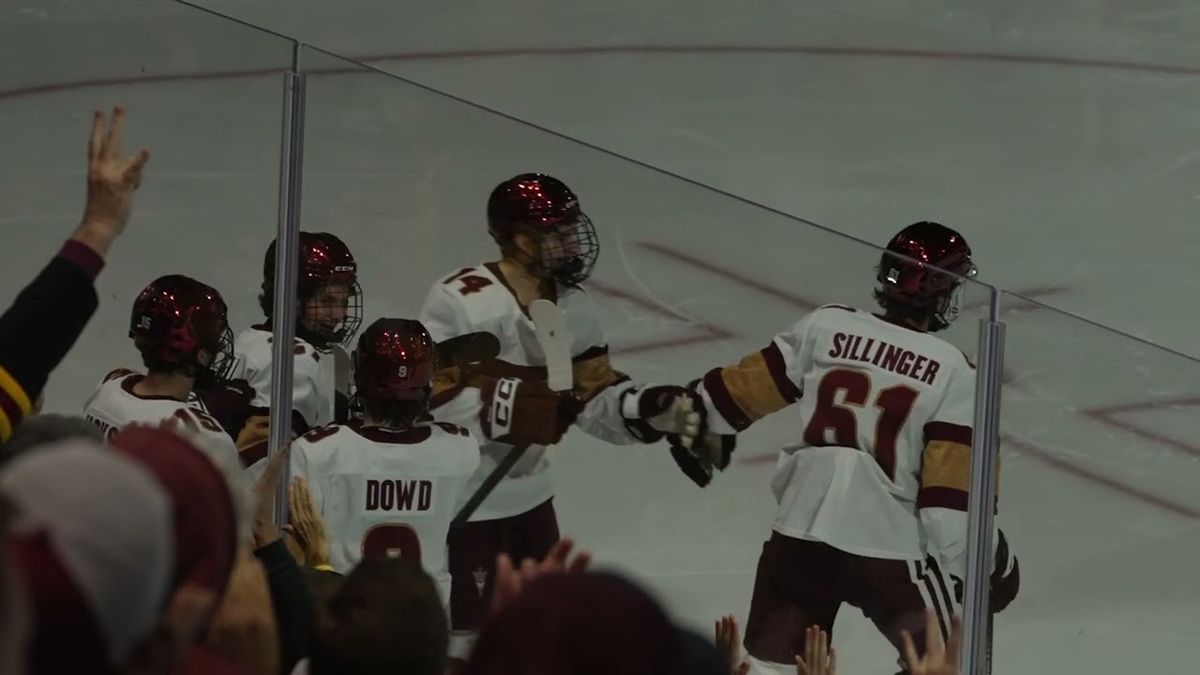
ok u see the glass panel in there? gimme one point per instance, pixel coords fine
(203, 95)
(688, 278)
(1097, 496)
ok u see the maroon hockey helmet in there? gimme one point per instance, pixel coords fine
(175, 318)
(544, 204)
(923, 267)
(394, 361)
(324, 259)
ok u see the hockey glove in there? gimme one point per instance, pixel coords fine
(526, 412)
(1006, 578)
(698, 459)
(653, 412)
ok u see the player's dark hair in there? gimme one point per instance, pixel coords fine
(905, 313)
(386, 618)
(160, 367)
(400, 414)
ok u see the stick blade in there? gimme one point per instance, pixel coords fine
(555, 340)
(343, 369)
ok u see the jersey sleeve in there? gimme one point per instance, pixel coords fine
(946, 472)
(596, 381)
(763, 382)
(946, 458)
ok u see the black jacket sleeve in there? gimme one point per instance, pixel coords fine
(41, 326)
(292, 600)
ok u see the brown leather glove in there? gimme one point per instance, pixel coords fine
(526, 412)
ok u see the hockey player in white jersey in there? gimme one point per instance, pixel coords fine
(548, 247)
(873, 496)
(179, 326)
(330, 312)
(388, 484)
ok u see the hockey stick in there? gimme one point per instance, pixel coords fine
(555, 342)
(456, 351)
(469, 348)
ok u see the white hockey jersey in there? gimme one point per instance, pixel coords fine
(387, 492)
(479, 299)
(115, 405)
(887, 414)
(313, 383)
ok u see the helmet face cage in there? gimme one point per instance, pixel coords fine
(568, 253)
(223, 359)
(344, 332)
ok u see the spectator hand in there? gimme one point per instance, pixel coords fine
(819, 657)
(729, 643)
(939, 659)
(510, 580)
(265, 530)
(307, 525)
(243, 629)
(111, 180)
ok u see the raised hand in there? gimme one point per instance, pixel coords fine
(511, 579)
(307, 524)
(112, 179)
(729, 643)
(819, 657)
(939, 659)
(265, 530)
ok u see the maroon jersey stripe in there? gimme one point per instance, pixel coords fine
(723, 400)
(944, 431)
(778, 369)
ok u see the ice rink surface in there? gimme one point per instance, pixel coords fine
(1060, 140)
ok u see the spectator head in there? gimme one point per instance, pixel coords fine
(204, 504)
(14, 607)
(44, 429)
(91, 541)
(584, 624)
(386, 618)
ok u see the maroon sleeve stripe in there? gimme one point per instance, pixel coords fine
(12, 414)
(778, 369)
(590, 353)
(82, 257)
(714, 384)
(942, 497)
(944, 431)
